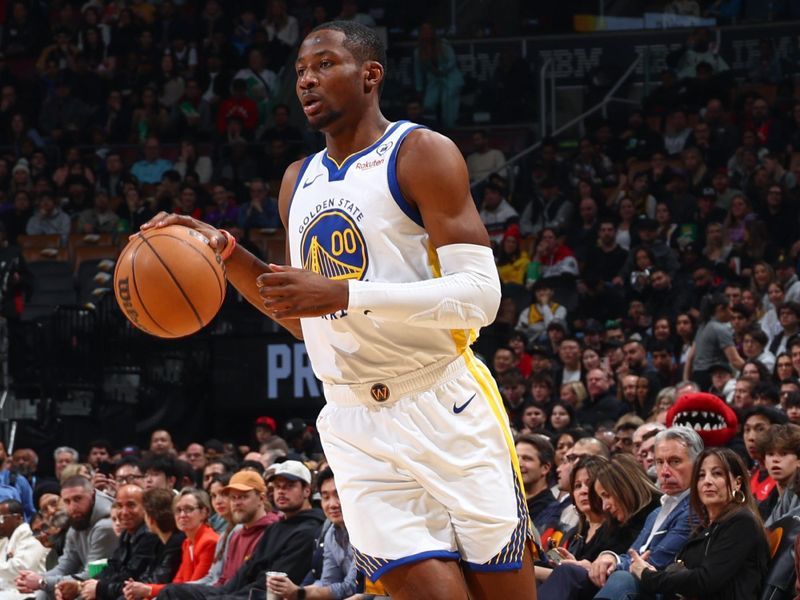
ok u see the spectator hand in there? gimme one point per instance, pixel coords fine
(104, 483)
(27, 582)
(134, 590)
(601, 568)
(565, 554)
(89, 589)
(67, 589)
(283, 586)
(639, 563)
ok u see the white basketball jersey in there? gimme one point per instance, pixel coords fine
(352, 222)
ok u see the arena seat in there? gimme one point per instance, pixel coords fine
(779, 583)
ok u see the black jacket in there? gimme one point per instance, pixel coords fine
(603, 408)
(726, 561)
(129, 561)
(167, 560)
(286, 546)
(614, 537)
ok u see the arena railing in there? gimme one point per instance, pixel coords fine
(544, 91)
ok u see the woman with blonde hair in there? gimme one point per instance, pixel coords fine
(739, 213)
(574, 394)
(763, 274)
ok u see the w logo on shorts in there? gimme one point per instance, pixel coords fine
(379, 392)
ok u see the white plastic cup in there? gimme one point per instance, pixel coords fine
(273, 595)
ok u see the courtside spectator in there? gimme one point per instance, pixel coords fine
(90, 537)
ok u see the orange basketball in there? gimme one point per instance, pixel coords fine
(169, 282)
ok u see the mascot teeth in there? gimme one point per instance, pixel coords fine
(707, 414)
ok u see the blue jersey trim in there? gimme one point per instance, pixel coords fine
(336, 173)
(300, 174)
(514, 566)
(384, 566)
(394, 186)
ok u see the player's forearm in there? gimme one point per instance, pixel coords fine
(466, 296)
(242, 270)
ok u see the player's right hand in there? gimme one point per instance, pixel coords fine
(215, 238)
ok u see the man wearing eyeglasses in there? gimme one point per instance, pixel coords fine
(19, 548)
(286, 546)
(136, 549)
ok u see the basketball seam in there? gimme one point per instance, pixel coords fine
(175, 279)
(208, 262)
(136, 288)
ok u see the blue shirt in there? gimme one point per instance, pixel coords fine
(339, 573)
(150, 172)
(266, 218)
(25, 493)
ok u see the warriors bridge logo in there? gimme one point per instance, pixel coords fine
(332, 245)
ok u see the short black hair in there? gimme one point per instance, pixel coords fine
(14, 506)
(101, 443)
(659, 346)
(767, 390)
(742, 309)
(757, 335)
(132, 460)
(162, 464)
(323, 476)
(362, 42)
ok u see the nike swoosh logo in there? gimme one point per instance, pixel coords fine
(307, 183)
(459, 409)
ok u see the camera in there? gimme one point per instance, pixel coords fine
(640, 279)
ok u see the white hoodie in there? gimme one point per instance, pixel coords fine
(21, 551)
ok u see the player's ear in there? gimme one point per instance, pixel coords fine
(373, 75)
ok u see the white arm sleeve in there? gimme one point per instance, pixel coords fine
(466, 296)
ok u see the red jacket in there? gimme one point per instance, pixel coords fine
(242, 544)
(196, 558)
(244, 108)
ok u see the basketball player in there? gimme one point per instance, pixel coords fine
(391, 277)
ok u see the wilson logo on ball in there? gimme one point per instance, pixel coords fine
(124, 295)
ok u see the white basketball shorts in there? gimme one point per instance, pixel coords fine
(425, 467)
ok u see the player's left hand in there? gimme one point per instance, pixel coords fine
(294, 293)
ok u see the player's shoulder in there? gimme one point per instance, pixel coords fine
(426, 151)
(422, 139)
(288, 184)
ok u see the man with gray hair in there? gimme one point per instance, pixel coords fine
(63, 456)
(667, 528)
(686, 387)
(90, 537)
